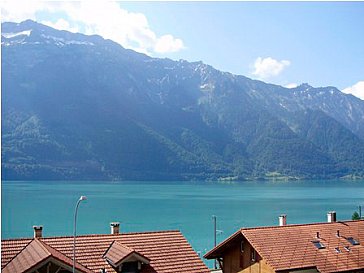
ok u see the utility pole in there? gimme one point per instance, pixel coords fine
(215, 231)
(360, 212)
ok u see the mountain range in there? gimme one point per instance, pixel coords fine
(77, 107)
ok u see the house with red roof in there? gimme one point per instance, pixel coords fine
(141, 252)
(333, 246)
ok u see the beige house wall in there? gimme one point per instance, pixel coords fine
(258, 267)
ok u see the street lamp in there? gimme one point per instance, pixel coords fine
(82, 198)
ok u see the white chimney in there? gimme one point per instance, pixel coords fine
(38, 231)
(115, 227)
(283, 220)
(331, 216)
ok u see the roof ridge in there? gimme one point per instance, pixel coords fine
(151, 232)
(304, 224)
(43, 245)
(95, 235)
(17, 239)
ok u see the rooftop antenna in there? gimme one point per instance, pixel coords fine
(215, 231)
(360, 212)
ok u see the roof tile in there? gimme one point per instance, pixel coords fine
(290, 247)
(168, 251)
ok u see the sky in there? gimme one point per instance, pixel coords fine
(285, 43)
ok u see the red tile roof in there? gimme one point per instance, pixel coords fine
(168, 251)
(117, 253)
(34, 254)
(291, 246)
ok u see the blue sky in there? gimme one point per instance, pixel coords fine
(287, 43)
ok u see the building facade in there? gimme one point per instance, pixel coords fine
(309, 248)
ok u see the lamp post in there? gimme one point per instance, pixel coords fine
(82, 198)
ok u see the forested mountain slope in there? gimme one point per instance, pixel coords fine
(81, 107)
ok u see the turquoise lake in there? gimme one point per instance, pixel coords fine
(188, 207)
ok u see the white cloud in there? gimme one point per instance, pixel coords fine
(102, 17)
(269, 67)
(15, 11)
(291, 85)
(167, 43)
(357, 90)
(61, 24)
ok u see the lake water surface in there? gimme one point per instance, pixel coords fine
(150, 206)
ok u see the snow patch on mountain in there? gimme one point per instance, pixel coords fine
(12, 35)
(61, 42)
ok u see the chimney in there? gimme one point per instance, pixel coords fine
(331, 216)
(115, 227)
(38, 231)
(283, 220)
(317, 235)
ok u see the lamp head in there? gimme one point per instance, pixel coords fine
(83, 198)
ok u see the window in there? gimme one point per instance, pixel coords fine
(253, 255)
(242, 246)
(242, 254)
(130, 267)
(318, 245)
(352, 241)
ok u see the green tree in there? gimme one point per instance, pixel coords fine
(355, 216)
